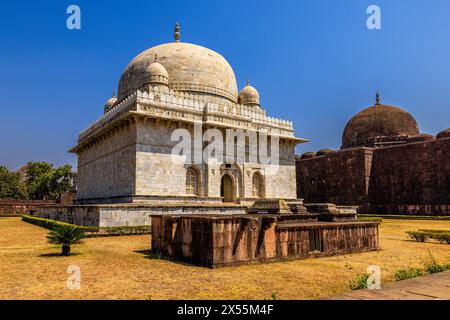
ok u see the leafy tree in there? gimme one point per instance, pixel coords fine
(66, 236)
(62, 180)
(46, 182)
(11, 186)
(38, 175)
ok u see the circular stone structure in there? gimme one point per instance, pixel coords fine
(156, 74)
(110, 103)
(324, 152)
(444, 134)
(308, 155)
(190, 68)
(421, 138)
(378, 123)
(249, 96)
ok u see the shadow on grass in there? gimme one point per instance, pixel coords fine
(57, 254)
(157, 255)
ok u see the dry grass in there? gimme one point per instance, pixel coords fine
(118, 268)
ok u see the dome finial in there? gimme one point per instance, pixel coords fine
(177, 33)
(377, 98)
(248, 81)
(114, 93)
(156, 58)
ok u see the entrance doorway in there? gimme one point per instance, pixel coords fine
(226, 188)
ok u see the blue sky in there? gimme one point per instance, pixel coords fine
(313, 61)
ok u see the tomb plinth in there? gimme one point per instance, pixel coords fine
(270, 232)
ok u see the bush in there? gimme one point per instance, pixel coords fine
(435, 231)
(417, 235)
(442, 236)
(403, 274)
(432, 266)
(90, 231)
(405, 217)
(360, 282)
(371, 219)
(51, 224)
(66, 236)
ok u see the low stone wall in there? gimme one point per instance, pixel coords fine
(21, 206)
(340, 177)
(412, 178)
(413, 209)
(128, 214)
(230, 240)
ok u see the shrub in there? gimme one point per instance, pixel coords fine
(51, 224)
(90, 231)
(66, 236)
(435, 231)
(403, 274)
(442, 236)
(371, 219)
(405, 217)
(360, 282)
(417, 235)
(432, 266)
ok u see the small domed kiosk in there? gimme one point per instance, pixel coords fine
(249, 95)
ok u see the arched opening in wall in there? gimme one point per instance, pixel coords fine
(226, 188)
(192, 182)
(257, 185)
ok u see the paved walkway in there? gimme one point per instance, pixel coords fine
(435, 286)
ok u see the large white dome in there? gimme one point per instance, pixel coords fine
(190, 67)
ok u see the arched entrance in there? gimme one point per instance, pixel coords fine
(226, 188)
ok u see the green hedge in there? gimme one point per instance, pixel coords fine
(371, 219)
(431, 266)
(90, 231)
(443, 236)
(403, 274)
(405, 217)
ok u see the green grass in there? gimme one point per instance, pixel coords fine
(430, 266)
(403, 217)
(359, 283)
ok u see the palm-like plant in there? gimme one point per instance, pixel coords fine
(67, 236)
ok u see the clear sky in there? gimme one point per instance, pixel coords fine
(313, 61)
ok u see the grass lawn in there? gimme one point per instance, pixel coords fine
(118, 268)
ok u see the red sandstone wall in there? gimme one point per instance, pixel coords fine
(21, 206)
(341, 177)
(412, 178)
(220, 241)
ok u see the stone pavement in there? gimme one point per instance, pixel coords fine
(435, 286)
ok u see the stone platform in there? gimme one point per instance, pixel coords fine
(130, 214)
(219, 240)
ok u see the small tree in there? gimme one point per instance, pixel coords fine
(46, 182)
(10, 185)
(67, 236)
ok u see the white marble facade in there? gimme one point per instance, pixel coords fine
(126, 155)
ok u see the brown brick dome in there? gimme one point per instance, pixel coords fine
(379, 124)
(444, 134)
(324, 152)
(308, 155)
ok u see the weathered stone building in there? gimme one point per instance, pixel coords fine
(235, 202)
(127, 155)
(385, 165)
